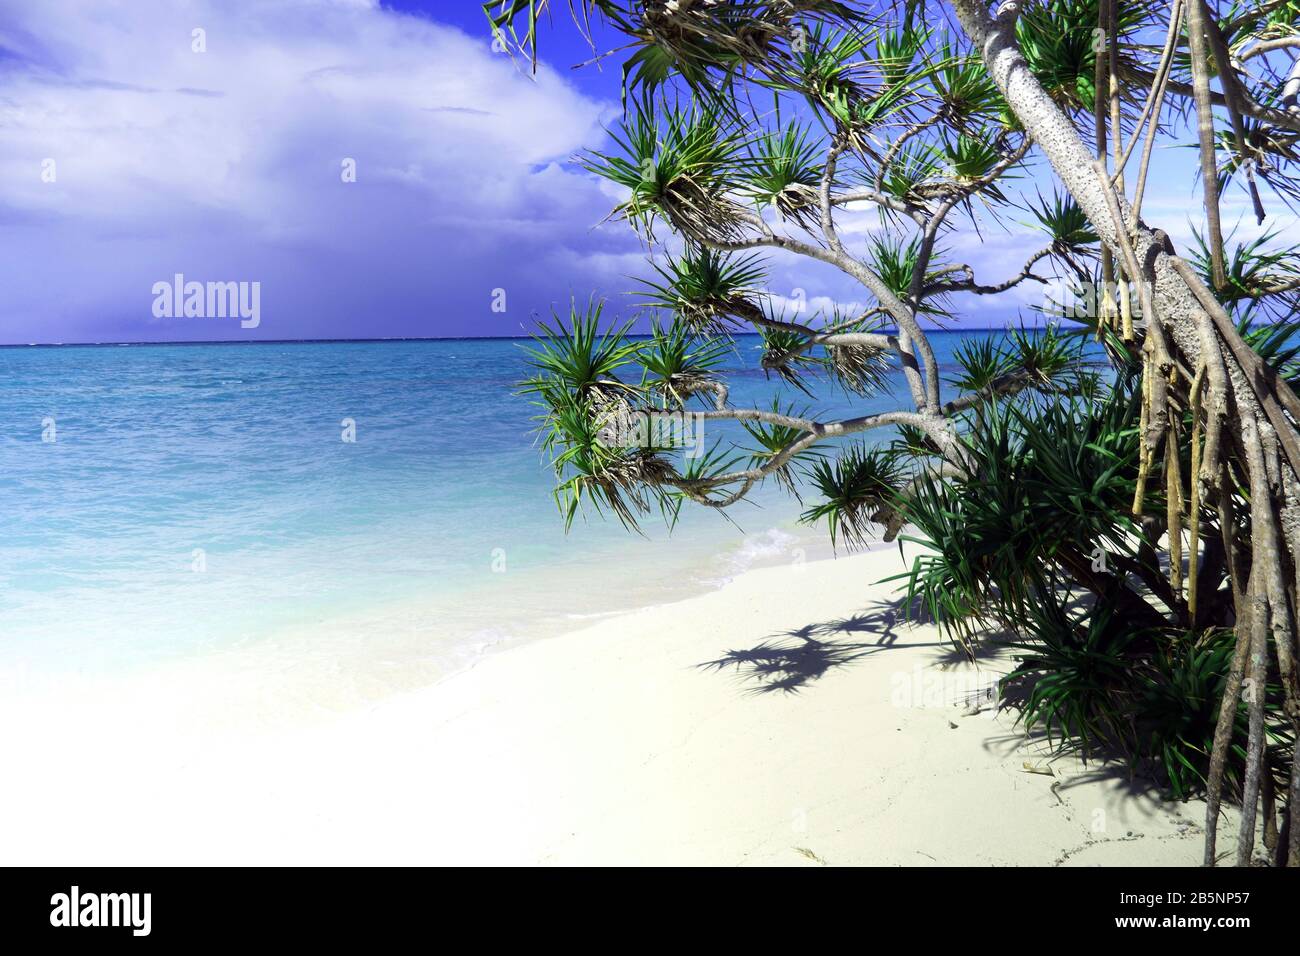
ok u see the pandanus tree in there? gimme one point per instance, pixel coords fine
(762, 129)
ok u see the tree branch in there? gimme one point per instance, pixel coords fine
(970, 285)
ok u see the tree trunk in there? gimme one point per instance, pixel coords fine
(1253, 394)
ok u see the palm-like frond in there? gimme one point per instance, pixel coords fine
(970, 159)
(784, 353)
(982, 363)
(896, 262)
(915, 167)
(679, 164)
(624, 481)
(1058, 38)
(1076, 670)
(677, 364)
(1259, 278)
(897, 48)
(1047, 486)
(860, 369)
(1065, 222)
(965, 91)
(856, 489)
(785, 172)
(580, 359)
(576, 383)
(1050, 357)
(1264, 152)
(1179, 695)
(913, 443)
(1046, 360)
(1278, 344)
(772, 439)
(705, 289)
(706, 45)
(830, 71)
(703, 468)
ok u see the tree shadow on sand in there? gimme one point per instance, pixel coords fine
(790, 661)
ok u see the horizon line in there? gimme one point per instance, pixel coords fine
(398, 338)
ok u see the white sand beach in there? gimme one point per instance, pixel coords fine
(610, 745)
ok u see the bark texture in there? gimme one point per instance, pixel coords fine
(1260, 438)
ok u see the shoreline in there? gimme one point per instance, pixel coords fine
(339, 658)
(613, 743)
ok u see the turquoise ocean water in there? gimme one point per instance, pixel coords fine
(162, 501)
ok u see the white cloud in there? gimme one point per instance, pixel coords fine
(167, 156)
(411, 100)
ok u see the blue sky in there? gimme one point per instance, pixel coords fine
(126, 157)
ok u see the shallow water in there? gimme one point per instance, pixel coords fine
(165, 500)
